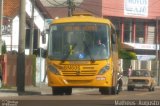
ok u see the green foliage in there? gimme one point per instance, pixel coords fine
(4, 50)
(123, 54)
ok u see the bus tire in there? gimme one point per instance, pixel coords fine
(105, 91)
(57, 91)
(68, 91)
(115, 90)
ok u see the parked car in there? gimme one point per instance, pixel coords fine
(141, 79)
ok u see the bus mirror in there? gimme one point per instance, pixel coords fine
(43, 34)
(113, 38)
(40, 52)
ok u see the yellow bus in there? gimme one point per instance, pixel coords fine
(82, 52)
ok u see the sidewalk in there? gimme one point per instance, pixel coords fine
(29, 90)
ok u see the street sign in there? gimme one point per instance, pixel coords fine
(7, 26)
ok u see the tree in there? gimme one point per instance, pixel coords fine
(4, 48)
(124, 54)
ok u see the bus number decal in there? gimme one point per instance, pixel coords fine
(71, 67)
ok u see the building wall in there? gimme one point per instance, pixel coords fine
(138, 29)
(116, 8)
(112, 8)
(9, 65)
(11, 8)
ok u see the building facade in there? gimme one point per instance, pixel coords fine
(137, 23)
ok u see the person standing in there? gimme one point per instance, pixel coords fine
(129, 71)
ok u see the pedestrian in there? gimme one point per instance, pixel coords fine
(129, 71)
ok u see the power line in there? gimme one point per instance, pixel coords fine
(59, 4)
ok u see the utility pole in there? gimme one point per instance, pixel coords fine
(21, 49)
(1, 24)
(157, 48)
(32, 29)
(71, 7)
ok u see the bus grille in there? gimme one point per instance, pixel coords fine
(79, 73)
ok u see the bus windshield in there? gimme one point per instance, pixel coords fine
(79, 41)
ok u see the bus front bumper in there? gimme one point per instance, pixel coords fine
(79, 81)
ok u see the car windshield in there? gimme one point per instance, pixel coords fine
(140, 73)
(79, 41)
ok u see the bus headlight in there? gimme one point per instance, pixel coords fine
(53, 69)
(103, 70)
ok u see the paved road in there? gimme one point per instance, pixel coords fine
(81, 96)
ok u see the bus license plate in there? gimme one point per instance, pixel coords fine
(100, 78)
(138, 85)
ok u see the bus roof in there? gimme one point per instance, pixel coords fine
(81, 18)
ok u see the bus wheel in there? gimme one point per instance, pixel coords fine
(68, 91)
(105, 91)
(115, 90)
(57, 91)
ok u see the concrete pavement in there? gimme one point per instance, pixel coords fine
(43, 89)
(29, 90)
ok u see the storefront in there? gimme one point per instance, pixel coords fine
(137, 23)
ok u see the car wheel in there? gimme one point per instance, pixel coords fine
(151, 88)
(130, 88)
